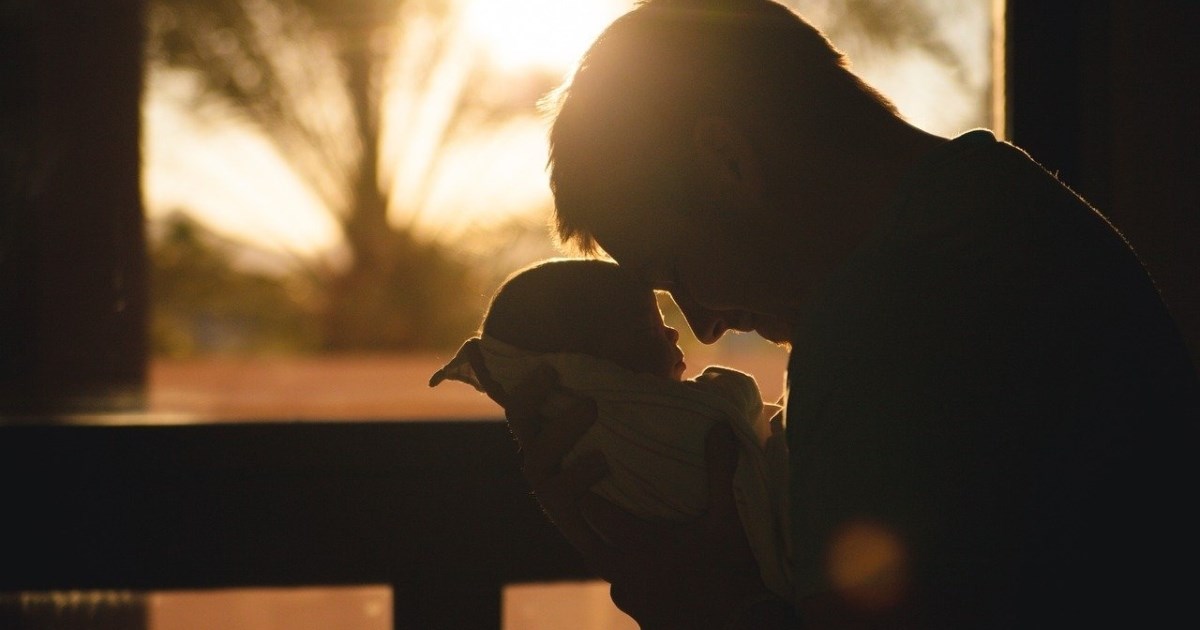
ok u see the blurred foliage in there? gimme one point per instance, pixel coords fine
(204, 302)
(886, 25)
(885, 32)
(423, 296)
(351, 93)
(215, 295)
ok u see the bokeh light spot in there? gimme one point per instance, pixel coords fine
(868, 566)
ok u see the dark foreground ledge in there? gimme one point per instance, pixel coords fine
(438, 510)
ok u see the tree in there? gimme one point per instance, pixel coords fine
(339, 87)
(888, 33)
(206, 302)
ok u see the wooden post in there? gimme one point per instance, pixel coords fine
(72, 250)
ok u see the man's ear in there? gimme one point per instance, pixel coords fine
(728, 162)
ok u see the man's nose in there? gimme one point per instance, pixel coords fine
(672, 334)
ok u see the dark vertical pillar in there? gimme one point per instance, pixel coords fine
(1102, 92)
(1058, 89)
(72, 271)
(1155, 139)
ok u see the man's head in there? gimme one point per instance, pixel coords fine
(585, 306)
(690, 127)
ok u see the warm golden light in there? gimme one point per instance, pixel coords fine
(230, 175)
(868, 566)
(549, 34)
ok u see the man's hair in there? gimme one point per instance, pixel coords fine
(623, 120)
(562, 305)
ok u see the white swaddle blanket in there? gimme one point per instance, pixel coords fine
(652, 432)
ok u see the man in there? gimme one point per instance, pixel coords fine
(984, 387)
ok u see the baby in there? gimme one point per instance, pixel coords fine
(602, 331)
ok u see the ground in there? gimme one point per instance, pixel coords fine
(380, 388)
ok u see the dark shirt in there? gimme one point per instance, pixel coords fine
(993, 386)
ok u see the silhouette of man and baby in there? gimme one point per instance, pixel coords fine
(983, 388)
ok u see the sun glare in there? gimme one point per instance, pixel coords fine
(549, 34)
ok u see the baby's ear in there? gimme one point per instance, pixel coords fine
(728, 163)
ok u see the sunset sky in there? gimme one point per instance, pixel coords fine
(231, 178)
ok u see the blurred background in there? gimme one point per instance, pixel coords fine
(334, 189)
(220, 216)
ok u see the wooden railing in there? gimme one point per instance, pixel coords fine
(438, 510)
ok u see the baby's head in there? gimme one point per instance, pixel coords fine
(586, 306)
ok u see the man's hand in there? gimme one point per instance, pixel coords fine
(693, 576)
(689, 576)
(544, 443)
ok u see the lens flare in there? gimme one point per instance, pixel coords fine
(868, 566)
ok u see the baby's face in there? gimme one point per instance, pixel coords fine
(639, 340)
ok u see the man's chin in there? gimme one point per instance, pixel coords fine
(772, 329)
(776, 337)
(767, 327)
